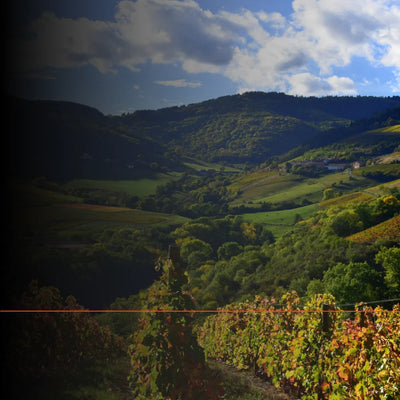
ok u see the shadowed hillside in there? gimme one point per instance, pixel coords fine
(62, 140)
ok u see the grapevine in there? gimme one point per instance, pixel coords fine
(356, 358)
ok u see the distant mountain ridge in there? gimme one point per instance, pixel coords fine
(64, 140)
(253, 126)
(348, 107)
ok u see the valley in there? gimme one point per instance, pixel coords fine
(265, 194)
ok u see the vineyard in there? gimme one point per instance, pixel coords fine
(314, 357)
(386, 230)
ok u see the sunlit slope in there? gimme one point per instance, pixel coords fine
(61, 217)
(388, 230)
(275, 188)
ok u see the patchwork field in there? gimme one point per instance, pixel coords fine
(273, 188)
(81, 218)
(199, 165)
(54, 215)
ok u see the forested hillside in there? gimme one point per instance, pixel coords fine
(254, 126)
(63, 140)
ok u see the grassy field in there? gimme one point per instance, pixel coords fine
(388, 158)
(76, 222)
(139, 187)
(344, 201)
(382, 189)
(276, 189)
(27, 194)
(394, 129)
(200, 165)
(388, 170)
(55, 215)
(279, 222)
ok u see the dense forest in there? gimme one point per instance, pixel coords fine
(267, 196)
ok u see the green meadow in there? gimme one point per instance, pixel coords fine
(55, 215)
(277, 189)
(138, 187)
(278, 222)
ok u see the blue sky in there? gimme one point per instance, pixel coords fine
(121, 56)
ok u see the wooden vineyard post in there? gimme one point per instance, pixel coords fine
(174, 253)
(174, 262)
(326, 318)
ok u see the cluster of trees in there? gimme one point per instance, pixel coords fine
(358, 148)
(244, 261)
(230, 259)
(114, 264)
(193, 196)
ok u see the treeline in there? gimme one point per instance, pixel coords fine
(193, 196)
(362, 148)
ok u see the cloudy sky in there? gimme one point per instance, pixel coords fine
(123, 55)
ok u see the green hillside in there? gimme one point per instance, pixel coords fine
(64, 141)
(254, 126)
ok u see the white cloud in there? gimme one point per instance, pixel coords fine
(160, 31)
(275, 19)
(179, 83)
(341, 85)
(322, 33)
(311, 85)
(254, 49)
(336, 31)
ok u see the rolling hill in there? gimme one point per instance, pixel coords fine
(255, 126)
(62, 140)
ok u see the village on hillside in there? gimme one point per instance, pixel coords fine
(320, 165)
